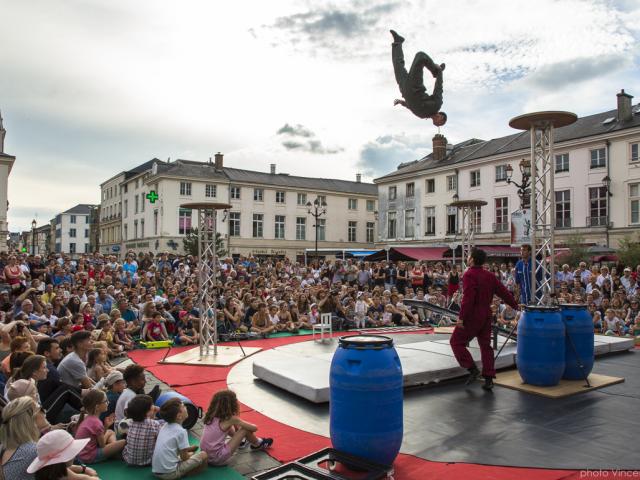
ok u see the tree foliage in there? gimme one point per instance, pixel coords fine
(629, 252)
(190, 243)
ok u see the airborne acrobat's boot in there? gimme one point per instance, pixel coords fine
(396, 38)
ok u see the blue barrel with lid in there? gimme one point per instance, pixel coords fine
(579, 331)
(366, 398)
(541, 346)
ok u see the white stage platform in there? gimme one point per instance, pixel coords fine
(226, 356)
(303, 368)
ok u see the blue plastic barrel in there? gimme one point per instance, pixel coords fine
(194, 411)
(366, 398)
(579, 330)
(541, 346)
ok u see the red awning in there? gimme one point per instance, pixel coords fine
(501, 250)
(422, 253)
(605, 258)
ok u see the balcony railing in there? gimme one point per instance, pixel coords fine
(501, 227)
(597, 221)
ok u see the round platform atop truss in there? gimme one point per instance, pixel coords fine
(206, 206)
(468, 203)
(557, 119)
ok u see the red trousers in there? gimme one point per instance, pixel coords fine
(461, 338)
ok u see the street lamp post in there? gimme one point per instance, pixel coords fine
(316, 210)
(524, 188)
(33, 237)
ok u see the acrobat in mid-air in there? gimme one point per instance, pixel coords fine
(411, 83)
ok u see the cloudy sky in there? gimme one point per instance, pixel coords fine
(92, 87)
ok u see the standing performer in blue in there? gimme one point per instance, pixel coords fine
(523, 275)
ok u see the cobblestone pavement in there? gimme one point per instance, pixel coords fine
(245, 461)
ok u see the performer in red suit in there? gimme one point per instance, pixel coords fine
(478, 288)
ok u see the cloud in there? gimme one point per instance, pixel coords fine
(303, 139)
(386, 152)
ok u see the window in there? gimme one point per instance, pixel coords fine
(86, 233)
(155, 222)
(301, 228)
(598, 158)
(634, 152)
(302, 199)
(351, 231)
(280, 196)
(185, 189)
(501, 173)
(72, 219)
(452, 182)
(258, 195)
(322, 229)
(474, 178)
(135, 229)
(72, 248)
(279, 232)
(370, 229)
(409, 223)
(184, 221)
(86, 219)
(411, 189)
(258, 225)
(502, 215)
(142, 228)
(476, 219)
(72, 232)
(393, 193)
(563, 209)
(137, 184)
(634, 198)
(392, 222)
(452, 220)
(142, 199)
(322, 199)
(210, 191)
(430, 220)
(126, 232)
(135, 209)
(597, 206)
(353, 204)
(125, 188)
(430, 185)
(126, 208)
(562, 162)
(86, 248)
(371, 205)
(235, 193)
(234, 224)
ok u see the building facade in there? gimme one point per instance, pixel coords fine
(6, 164)
(72, 230)
(268, 215)
(597, 184)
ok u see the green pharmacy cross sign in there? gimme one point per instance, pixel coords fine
(152, 196)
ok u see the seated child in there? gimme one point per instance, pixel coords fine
(220, 421)
(185, 333)
(386, 320)
(597, 321)
(97, 365)
(154, 330)
(173, 457)
(613, 325)
(120, 335)
(307, 322)
(142, 432)
(106, 335)
(274, 318)
(115, 386)
(102, 445)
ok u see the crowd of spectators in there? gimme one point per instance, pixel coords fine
(62, 320)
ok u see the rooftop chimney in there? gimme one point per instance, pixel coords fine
(218, 156)
(273, 169)
(439, 147)
(624, 106)
(358, 177)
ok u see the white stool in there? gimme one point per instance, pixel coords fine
(323, 326)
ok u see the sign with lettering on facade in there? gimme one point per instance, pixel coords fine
(115, 248)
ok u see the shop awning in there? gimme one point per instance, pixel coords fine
(500, 250)
(410, 254)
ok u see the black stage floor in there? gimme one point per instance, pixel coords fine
(453, 423)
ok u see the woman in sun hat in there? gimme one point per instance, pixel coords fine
(55, 453)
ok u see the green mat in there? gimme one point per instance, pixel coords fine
(288, 334)
(117, 469)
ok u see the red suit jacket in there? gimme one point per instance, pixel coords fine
(479, 287)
